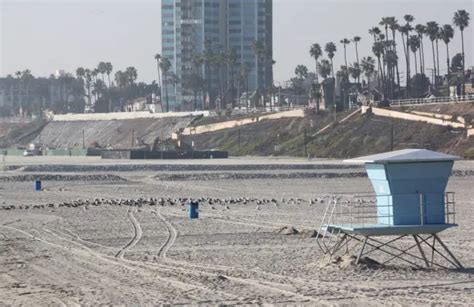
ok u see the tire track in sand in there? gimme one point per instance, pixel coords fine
(192, 268)
(185, 286)
(137, 235)
(170, 239)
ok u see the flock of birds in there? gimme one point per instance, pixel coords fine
(211, 202)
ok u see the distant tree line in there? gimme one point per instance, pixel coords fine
(98, 89)
(217, 76)
(382, 68)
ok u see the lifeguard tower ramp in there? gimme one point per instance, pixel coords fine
(409, 202)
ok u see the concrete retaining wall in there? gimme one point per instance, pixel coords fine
(163, 155)
(77, 152)
(470, 132)
(123, 116)
(240, 122)
(413, 117)
(441, 116)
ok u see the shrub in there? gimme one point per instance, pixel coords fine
(469, 154)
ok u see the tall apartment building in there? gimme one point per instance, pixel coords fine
(191, 28)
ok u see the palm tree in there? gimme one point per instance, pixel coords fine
(80, 72)
(421, 31)
(174, 80)
(26, 77)
(385, 22)
(405, 30)
(208, 58)
(375, 31)
(108, 70)
(98, 88)
(316, 52)
(388, 22)
(301, 72)
(438, 37)
(220, 62)
(394, 27)
(198, 61)
(331, 49)
(94, 74)
(102, 68)
(368, 67)
(461, 20)
(20, 100)
(378, 50)
(324, 68)
(88, 76)
(432, 31)
(244, 82)
(345, 42)
(121, 79)
(354, 71)
(231, 62)
(414, 46)
(260, 52)
(132, 74)
(158, 60)
(446, 34)
(390, 60)
(356, 41)
(165, 66)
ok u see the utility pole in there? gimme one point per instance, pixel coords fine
(391, 136)
(305, 148)
(238, 138)
(83, 140)
(133, 138)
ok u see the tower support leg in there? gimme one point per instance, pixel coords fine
(362, 250)
(421, 251)
(449, 252)
(338, 245)
(433, 250)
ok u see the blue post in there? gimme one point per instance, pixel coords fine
(193, 210)
(37, 185)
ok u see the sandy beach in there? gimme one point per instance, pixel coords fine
(118, 233)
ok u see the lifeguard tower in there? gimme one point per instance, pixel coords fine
(410, 201)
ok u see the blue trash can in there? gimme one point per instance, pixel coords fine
(37, 185)
(193, 210)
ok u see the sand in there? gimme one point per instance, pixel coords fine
(122, 237)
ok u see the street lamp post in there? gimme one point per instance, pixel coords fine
(279, 93)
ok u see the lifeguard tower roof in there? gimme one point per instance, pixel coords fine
(405, 156)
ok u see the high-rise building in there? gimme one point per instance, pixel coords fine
(210, 46)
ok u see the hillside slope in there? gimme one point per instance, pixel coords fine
(14, 133)
(114, 133)
(361, 135)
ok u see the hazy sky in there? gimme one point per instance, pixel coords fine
(45, 35)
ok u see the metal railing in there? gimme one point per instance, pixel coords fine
(434, 100)
(367, 210)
